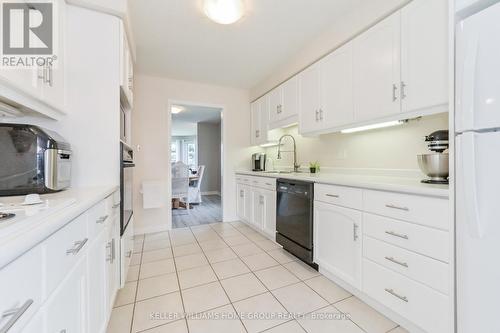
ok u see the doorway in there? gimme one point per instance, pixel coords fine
(196, 164)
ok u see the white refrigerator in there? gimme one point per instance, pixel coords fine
(477, 122)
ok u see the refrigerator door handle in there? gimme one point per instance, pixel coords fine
(469, 84)
(469, 179)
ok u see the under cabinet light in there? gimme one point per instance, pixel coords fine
(374, 126)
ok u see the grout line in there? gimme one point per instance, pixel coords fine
(137, 284)
(178, 281)
(218, 280)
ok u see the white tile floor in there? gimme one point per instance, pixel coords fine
(228, 278)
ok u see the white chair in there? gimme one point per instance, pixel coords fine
(195, 191)
(180, 182)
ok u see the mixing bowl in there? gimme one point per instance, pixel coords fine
(436, 166)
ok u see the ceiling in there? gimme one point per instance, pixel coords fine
(175, 39)
(184, 123)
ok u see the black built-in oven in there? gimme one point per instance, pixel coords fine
(126, 186)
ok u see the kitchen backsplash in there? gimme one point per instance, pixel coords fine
(388, 148)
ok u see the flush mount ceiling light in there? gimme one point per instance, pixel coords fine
(223, 11)
(374, 126)
(176, 109)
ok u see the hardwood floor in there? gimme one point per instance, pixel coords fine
(209, 211)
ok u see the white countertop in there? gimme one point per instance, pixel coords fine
(34, 230)
(382, 182)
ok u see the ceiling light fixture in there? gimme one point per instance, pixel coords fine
(374, 126)
(177, 109)
(223, 11)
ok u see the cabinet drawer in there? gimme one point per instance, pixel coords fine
(98, 217)
(420, 304)
(427, 211)
(430, 272)
(265, 183)
(339, 195)
(21, 290)
(63, 249)
(423, 240)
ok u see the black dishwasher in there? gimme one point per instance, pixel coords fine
(294, 218)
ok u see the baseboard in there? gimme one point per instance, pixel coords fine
(211, 193)
(150, 230)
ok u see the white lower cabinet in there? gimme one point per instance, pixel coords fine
(401, 264)
(112, 277)
(97, 283)
(66, 309)
(258, 210)
(256, 203)
(269, 212)
(67, 283)
(337, 239)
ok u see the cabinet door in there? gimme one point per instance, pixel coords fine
(337, 241)
(54, 87)
(255, 122)
(309, 100)
(263, 120)
(112, 271)
(258, 209)
(276, 104)
(290, 98)
(376, 68)
(65, 310)
(96, 261)
(248, 199)
(424, 51)
(269, 213)
(336, 88)
(240, 201)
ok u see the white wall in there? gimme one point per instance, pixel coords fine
(92, 124)
(388, 148)
(151, 131)
(341, 30)
(209, 145)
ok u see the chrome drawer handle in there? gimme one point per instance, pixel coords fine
(393, 293)
(102, 219)
(406, 209)
(391, 259)
(355, 231)
(395, 234)
(15, 314)
(333, 195)
(269, 184)
(78, 246)
(116, 205)
(129, 254)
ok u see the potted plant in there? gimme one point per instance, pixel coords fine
(314, 167)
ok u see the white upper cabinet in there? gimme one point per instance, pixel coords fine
(325, 92)
(283, 104)
(256, 120)
(290, 109)
(52, 78)
(309, 117)
(336, 98)
(275, 104)
(424, 55)
(41, 89)
(376, 67)
(126, 71)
